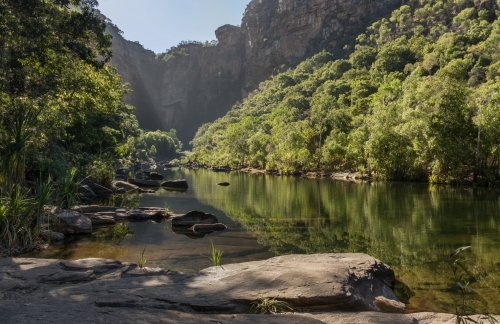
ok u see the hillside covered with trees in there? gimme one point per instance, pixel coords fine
(417, 99)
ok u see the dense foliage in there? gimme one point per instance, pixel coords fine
(62, 113)
(60, 103)
(417, 99)
(150, 145)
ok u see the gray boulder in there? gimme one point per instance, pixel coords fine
(125, 186)
(99, 220)
(193, 218)
(97, 189)
(73, 222)
(350, 282)
(86, 192)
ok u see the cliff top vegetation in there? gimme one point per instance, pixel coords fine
(418, 99)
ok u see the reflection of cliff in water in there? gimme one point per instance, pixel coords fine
(399, 223)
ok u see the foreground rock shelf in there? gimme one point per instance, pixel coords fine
(98, 290)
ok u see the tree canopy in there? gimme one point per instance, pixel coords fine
(61, 104)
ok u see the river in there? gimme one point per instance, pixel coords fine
(413, 227)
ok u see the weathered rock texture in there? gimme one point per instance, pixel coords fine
(349, 282)
(204, 83)
(108, 291)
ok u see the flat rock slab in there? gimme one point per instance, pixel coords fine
(109, 291)
(351, 282)
(102, 220)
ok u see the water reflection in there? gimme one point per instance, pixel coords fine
(412, 227)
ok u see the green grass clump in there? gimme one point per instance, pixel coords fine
(267, 305)
(142, 259)
(216, 255)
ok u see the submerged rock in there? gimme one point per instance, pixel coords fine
(224, 184)
(193, 218)
(147, 213)
(200, 228)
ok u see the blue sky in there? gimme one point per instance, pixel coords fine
(160, 24)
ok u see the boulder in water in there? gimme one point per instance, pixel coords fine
(193, 218)
(177, 184)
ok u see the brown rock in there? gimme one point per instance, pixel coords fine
(176, 184)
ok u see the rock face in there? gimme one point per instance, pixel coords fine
(204, 82)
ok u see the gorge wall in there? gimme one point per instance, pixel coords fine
(203, 83)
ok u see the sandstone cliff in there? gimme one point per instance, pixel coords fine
(144, 73)
(203, 83)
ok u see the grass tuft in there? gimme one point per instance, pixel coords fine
(267, 305)
(216, 255)
(142, 259)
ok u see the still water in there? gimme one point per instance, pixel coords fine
(412, 227)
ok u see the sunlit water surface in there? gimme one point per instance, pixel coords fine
(412, 227)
